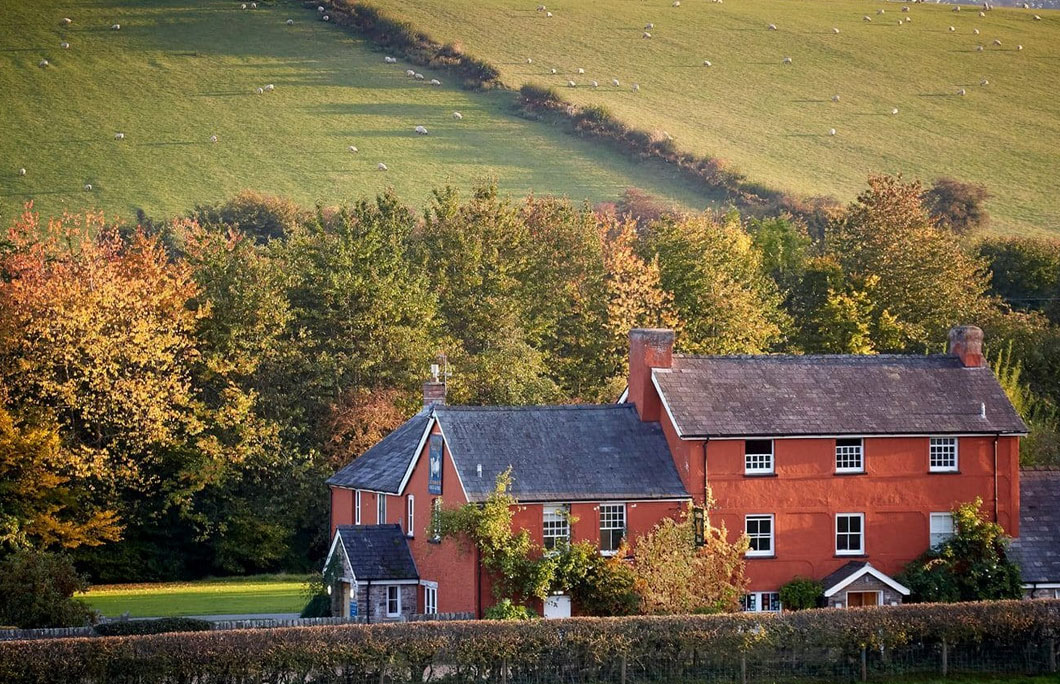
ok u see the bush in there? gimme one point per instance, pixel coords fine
(319, 605)
(958, 206)
(506, 610)
(801, 593)
(159, 626)
(36, 590)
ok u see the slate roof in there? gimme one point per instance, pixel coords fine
(382, 468)
(1038, 548)
(377, 552)
(842, 573)
(775, 395)
(561, 453)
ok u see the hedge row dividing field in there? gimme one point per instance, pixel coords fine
(1018, 637)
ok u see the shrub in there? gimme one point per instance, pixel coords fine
(36, 590)
(506, 610)
(159, 626)
(958, 206)
(801, 593)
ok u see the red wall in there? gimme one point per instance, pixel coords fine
(896, 494)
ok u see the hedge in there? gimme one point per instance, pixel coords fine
(158, 626)
(473, 650)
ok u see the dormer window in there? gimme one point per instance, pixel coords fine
(758, 457)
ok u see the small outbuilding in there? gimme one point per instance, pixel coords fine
(859, 584)
(370, 572)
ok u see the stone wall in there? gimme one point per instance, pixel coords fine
(373, 604)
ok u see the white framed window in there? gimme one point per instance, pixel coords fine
(556, 526)
(612, 527)
(357, 507)
(410, 514)
(758, 457)
(380, 509)
(759, 529)
(942, 454)
(849, 456)
(761, 601)
(850, 534)
(941, 528)
(430, 599)
(393, 601)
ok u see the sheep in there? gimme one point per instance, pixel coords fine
(66, 21)
(961, 92)
(259, 91)
(649, 26)
(410, 73)
(1025, 6)
(43, 63)
(421, 130)
(253, 5)
(243, 6)
(952, 29)
(982, 14)
(320, 8)
(529, 60)
(596, 84)
(325, 18)
(975, 31)
(435, 82)
(64, 45)
(614, 82)
(115, 27)
(541, 8)
(88, 187)
(581, 71)
(458, 116)
(908, 19)
(831, 131)
(352, 149)
(879, 11)
(213, 138)
(418, 76)
(835, 98)
(997, 42)
(772, 27)
(894, 111)
(571, 84)
(835, 29)
(1019, 47)
(270, 88)
(22, 172)
(381, 166)
(706, 63)
(787, 60)
(636, 87)
(119, 136)
(552, 70)
(387, 59)
(290, 22)
(984, 82)
(677, 3)
(978, 48)
(956, 8)
(647, 35)
(866, 18)
(548, 14)
(905, 9)
(900, 22)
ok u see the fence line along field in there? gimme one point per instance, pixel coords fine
(765, 101)
(156, 106)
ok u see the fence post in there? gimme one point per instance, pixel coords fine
(504, 671)
(1052, 656)
(945, 658)
(622, 670)
(864, 664)
(382, 672)
(743, 667)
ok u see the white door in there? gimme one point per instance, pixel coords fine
(557, 607)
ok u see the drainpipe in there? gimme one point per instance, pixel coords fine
(996, 438)
(706, 479)
(368, 600)
(478, 584)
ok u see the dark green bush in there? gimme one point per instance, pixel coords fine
(159, 626)
(801, 593)
(318, 605)
(36, 590)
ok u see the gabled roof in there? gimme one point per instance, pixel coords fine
(1038, 548)
(382, 468)
(781, 395)
(560, 453)
(852, 572)
(376, 552)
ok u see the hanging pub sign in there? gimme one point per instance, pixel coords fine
(698, 523)
(434, 479)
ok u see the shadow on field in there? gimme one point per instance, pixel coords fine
(810, 101)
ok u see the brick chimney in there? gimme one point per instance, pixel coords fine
(966, 343)
(434, 389)
(648, 348)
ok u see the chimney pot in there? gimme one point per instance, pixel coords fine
(648, 348)
(433, 393)
(966, 343)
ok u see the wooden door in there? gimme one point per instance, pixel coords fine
(856, 599)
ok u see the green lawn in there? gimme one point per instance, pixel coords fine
(181, 71)
(226, 596)
(771, 120)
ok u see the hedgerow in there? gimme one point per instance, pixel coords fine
(474, 650)
(159, 626)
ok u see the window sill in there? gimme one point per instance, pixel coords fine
(747, 474)
(944, 472)
(764, 556)
(858, 554)
(847, 473)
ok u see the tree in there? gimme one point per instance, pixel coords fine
(261, 217)
(674, 575)
(915, 273)
(1025, 272)
(36, 590)
(957, 206)
(711, 268)
(973, 565)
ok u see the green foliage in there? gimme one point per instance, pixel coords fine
(159, 626)
(801, 593)
(971, 566)
(1042, 444)
(598, 585)
(506, 610)
(1024, 271)
(36, 590)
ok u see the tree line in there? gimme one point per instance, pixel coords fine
(173, 396)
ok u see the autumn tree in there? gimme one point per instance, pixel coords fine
(958, 206)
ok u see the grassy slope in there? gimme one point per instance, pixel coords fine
(226, 596)
(180, 71)
(771, 120)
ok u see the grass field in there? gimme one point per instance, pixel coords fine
(180, 71)
(226, 596)
(771, 120)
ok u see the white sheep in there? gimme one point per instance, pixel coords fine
(975, 32)
(614, 82)
(548, 14)
(866, 18)
(571, 84)
(900, 22)
(787, 60)
(320, 8)
(677, 3)
(961, 92)
(952, 29)
(22, 172)
(997, 42)
(387, 59)
(636, 87)
(259, 91)
(552, 70)
(213, 138)
(835, 98)
(1019, 47)
(115, 27)
(88, 187)
(381, 166)
(982, 14)
(831, 131)
(706, 63)
(64, 45)
(908, 20)
(458, 116)
(243, 6)
(541, 8)
(418, 76)
(529, 60)
(894, 111)
(290, 22)
(435, 82)
(905, 9)
(835, 29)
(270, 87)
(1037, 18)
(978, 48)
(984, 82)
(119, 136)
(647, 35)
(421, 130)
(253, 5)
(43, 63)
(325, 18)
(596, 84)
(581, 71)
(956, 8)
(772, 27)
(66, 21)
(879, 11)
(649, 26)
(410, 73)
(352, 149)
(1025, 6)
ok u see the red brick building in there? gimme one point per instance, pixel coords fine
(839, 468)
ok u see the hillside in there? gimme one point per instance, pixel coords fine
(771, 120)
(178, 72)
